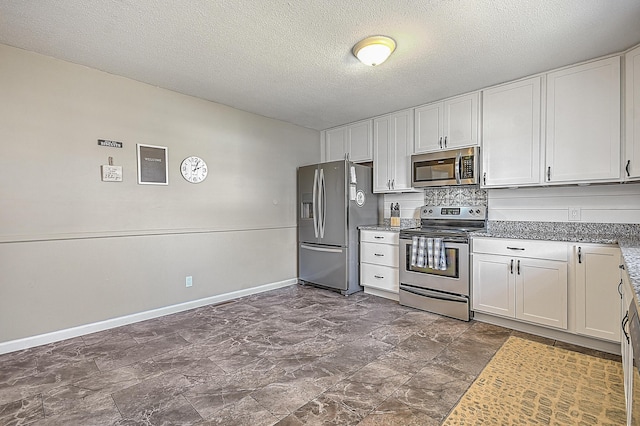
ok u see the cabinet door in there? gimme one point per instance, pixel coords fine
(402, 137)
(335, 144)
(541, 292)
(632, 161)
(381, 160)
(597, 297)
(583, 122)
(360, 141)
(511, 134)
(493, 285)
(428, 128)
(461, 121)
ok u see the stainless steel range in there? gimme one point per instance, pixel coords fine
(434, 259)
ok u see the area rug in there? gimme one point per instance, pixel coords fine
(529, 383)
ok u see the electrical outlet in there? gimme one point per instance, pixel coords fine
(574, 213)
(189, 281)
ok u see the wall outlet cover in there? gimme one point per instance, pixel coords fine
(189, 281)
(575, 213)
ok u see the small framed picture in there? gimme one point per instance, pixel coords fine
(153, 167)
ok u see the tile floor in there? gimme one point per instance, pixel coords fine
(293, 356)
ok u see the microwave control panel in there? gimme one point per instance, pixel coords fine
(467, 167)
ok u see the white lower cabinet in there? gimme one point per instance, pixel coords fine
(529, 285)
(631, 377)
(597, 302)
(379, 273)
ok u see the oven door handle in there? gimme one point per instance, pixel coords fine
(434, 295)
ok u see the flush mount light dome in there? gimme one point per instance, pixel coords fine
(374, 50)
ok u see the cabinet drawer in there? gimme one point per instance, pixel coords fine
(379, 254)
(550, 250)
(380, 277)
(386, 237)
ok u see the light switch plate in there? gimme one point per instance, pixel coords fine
(575, 213)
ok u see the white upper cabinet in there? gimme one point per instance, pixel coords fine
(583, 123)
(511, 134)
(353, 141)
(631, 161)
(392, 142)
(448, 124)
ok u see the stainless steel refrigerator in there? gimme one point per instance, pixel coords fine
(333, 200)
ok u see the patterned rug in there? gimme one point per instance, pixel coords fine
(529, 383)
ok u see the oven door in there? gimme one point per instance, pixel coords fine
(454, 280)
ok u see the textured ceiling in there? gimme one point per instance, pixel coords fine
(291, 60)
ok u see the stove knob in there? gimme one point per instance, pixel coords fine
(430, 211)
(478, 211)
(471, 211)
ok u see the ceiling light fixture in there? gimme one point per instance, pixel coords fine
(374, 50)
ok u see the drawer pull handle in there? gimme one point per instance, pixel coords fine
(377, 237)
(378, 254)
(378, 276)
(515, 248)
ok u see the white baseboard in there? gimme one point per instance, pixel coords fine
(56, 336)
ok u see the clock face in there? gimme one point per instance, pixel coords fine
(194, 169)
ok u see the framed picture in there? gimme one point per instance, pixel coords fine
(153, 167)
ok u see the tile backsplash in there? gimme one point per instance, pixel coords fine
(455, 196)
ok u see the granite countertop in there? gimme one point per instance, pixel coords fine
(627, 236)
(379, 228)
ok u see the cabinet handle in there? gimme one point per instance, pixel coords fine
(484, 178)
(621, 266)
(378, 254)
(378, 237)
(620, 289)
(518, 267)
(515, 248)
(378, 276)
(626, 168)
(445, 141)
(579, 254)
(625, 320)
(549, 173)
(511, 267)
(393, 184)
(440, 142)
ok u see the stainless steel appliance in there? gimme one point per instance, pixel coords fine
(445, 168)
(445, 292)
(333, 200)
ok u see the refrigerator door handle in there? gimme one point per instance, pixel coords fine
(322, 249)
(323, 204)
(314, 202)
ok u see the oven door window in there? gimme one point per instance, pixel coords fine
(452, 264)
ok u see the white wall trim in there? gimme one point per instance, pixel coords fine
(56, 336)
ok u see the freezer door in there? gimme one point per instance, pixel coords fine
(323, 265)
(308, 220)
(332, 203)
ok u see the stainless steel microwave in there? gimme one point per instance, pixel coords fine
(445, 168)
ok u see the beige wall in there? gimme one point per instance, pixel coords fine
(75, 250)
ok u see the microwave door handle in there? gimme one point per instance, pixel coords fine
(314, 202)
(457, 167)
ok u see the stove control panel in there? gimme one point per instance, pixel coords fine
(454, 212)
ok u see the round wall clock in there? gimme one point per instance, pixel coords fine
(194, 169)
